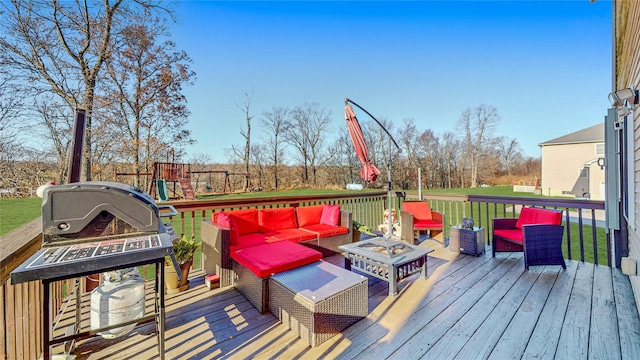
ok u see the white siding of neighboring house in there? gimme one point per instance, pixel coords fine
(561, 167)
(627, 64)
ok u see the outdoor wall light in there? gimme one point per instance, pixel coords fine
(623, 111)
(618, 97)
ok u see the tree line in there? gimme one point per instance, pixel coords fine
(116, 60)
(299, 147)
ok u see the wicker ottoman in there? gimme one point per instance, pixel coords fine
(319, 300)
(467, 241)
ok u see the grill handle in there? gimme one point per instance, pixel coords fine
(172, 211)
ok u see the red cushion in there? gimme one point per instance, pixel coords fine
(246, 220)
(309, 215)
(529, 215)
(419, 209)
(426, 224)
(509, 234)
(295, 235)
(225, 220)
(330, 215)
(276, 219)
(323, 230)
(272, 258)
(251, 240)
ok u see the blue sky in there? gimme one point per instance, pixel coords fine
(545, 65)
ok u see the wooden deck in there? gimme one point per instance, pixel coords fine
(469, 308)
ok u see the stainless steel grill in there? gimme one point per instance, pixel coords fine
(93, 227)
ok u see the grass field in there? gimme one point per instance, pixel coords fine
(17, 212)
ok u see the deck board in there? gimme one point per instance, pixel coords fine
(543, 341)
(603, 317)
(469, 307)
(574, 336)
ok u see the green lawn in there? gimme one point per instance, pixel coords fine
(17, 212)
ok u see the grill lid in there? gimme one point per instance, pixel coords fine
(95, 209)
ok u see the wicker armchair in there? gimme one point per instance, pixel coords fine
(541, 241)
(417, 216)
(542, 245)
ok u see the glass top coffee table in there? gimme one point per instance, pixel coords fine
(388, 260)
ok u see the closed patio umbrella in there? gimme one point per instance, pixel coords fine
(369, 172)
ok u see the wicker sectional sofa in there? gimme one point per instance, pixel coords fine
(245, 246)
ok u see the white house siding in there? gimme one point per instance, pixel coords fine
(561, 166)
(627, 62)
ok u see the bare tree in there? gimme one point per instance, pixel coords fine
(259, 159)
(61, 46)
(410, 142)
(246, 153)
(306, 133)
(478, 125)
(509, 151)
(144, 92)
(426, 152)
(275, 123)
(450, 161)
(344, 153)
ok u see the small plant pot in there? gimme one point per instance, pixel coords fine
(185, 273)
(356, 235)
(171, 278)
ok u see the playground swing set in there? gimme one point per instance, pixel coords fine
(170, 173)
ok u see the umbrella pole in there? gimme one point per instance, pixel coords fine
(389, 233)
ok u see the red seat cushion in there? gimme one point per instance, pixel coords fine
(251, 240)
(529, 215)
(419, 209)
(323, 230)
(426, 224)
(277, 218)
(509, 234)
(309, 215)
(295, 235)
(272, 258)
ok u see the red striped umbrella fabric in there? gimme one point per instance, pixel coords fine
(369, 172)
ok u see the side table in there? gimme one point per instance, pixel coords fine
(467, 241)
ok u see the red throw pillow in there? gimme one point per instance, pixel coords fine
(227, 221)
(330, 215)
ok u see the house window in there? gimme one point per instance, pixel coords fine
(600, 149)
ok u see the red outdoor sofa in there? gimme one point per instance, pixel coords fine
(244, 247)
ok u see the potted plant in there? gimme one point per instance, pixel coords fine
(358, 229)
(183, 250)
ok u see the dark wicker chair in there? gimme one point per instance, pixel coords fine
(541, 243)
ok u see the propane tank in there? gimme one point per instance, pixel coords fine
(119, 298)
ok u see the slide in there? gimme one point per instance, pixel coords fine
(187, 189)
(161, 189)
